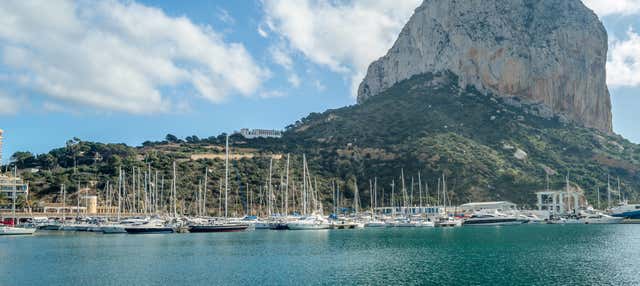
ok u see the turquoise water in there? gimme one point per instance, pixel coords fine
(515, 255)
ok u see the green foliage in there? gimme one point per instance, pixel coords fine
(426, 124)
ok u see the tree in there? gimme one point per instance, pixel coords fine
(171, 138)
(23, 159)
(192, 139)
(47, 161)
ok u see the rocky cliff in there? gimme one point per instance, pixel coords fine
(551, 52)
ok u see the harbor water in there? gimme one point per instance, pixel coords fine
(510, 255)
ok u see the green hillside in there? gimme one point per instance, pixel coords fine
(429, 123)
(426, 124)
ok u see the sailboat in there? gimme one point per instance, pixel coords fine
(116, 227)
(374, 221)
(315, 220)
(225, 226)
(447, 221)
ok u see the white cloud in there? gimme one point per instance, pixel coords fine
(262, 32)
(319, 86)
(613, 7)
(119, 55)
(281, 57)
(8, 104)
(294, 80)
(623, 64)
(271, 94)
(224, 16)
(345, 36)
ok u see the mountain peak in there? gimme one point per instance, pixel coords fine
(550, 52)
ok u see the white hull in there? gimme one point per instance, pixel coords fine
(405, 224)
(616, 220)
(8, 230)
(449, 223)
(308, 226)
(426, 224)
(496, 223)
(375, 224)
(602, 219)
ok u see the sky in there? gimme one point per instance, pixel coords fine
(131, 71)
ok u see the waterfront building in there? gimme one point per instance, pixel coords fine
(58, 208)
(9, 184)
(561, 202)
(259, 133)
(429, 211)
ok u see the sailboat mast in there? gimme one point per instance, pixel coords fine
(444, 194)
(598, 196)
(174, 192)
(304, 185)
(64, 203)
(404, 191)
(420, 190)
(120, 183)
(270, 190)
(393, 206)
(226, 177)
(371, 197)
(619, 193)
(608, 192)
(375, 194)
(13, 196)
(355, 195)
(286, 190)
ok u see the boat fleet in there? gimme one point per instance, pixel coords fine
(156, 212)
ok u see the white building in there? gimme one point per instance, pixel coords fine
(10, 184)
(260, 133)
(561, 202)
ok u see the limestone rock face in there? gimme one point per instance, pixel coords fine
(542, 51)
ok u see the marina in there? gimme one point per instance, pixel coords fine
(140, 206)
(319, 142)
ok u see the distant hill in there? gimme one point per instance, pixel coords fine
(491, 147)
(488, 147)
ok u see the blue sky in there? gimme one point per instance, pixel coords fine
(132, 71)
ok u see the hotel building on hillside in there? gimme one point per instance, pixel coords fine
(259, 133)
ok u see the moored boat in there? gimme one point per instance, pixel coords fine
(309, 223)
(600, 218)
(448, 222)
(375, 223)
(148, 226)
(10, 230)
(491, 218)
(218, 227)
(629, 211)
(112, 228)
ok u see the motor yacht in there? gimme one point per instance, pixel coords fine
(491, 218)
(309, 223)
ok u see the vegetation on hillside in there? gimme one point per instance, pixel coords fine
(488, 148)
